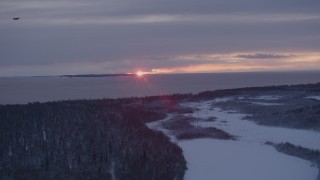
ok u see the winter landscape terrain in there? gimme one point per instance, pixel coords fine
(249, 133)
(262, 145)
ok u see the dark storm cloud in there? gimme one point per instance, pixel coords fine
(118, 35)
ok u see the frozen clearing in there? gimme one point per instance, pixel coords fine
(224, 99)
(267, 97)
(248, 157)
(314, 97)
(248, 131)
(226, 160)
(266, 104)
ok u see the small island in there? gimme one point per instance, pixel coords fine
(95, 75)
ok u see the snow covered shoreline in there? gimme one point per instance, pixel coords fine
(248, 157)
(233, 123)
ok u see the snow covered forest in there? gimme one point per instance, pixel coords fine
(86, 139)
(110, 139)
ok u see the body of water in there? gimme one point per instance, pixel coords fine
(20, 90)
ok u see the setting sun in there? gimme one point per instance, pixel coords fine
(140, 73)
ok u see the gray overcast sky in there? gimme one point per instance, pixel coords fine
(159, 36)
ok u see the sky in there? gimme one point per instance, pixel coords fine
(158, 36)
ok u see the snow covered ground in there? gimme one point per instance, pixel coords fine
(210, 159)
(248, 157)
(267, 97)
(263, 103)
(266, 104)
(314, 97)
(232, 123)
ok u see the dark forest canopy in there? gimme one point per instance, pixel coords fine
(86, 139)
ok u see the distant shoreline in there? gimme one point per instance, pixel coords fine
(132, 74)
(95, 75)
(22, 90)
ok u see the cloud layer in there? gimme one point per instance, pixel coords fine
(177, 35)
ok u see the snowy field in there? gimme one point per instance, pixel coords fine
(227, 160)
(267, 97)
(232, 122)
(314, 97)
(248, 157)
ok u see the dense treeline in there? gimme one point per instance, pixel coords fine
(292, 106)
(87, 139)
(312, 88)
(301, 152)
(292, 112)
(298, 151)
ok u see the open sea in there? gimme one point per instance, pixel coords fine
(21, 90)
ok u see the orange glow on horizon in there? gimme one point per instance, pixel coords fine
(240, 62)
(207, 68)
(232, 62)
